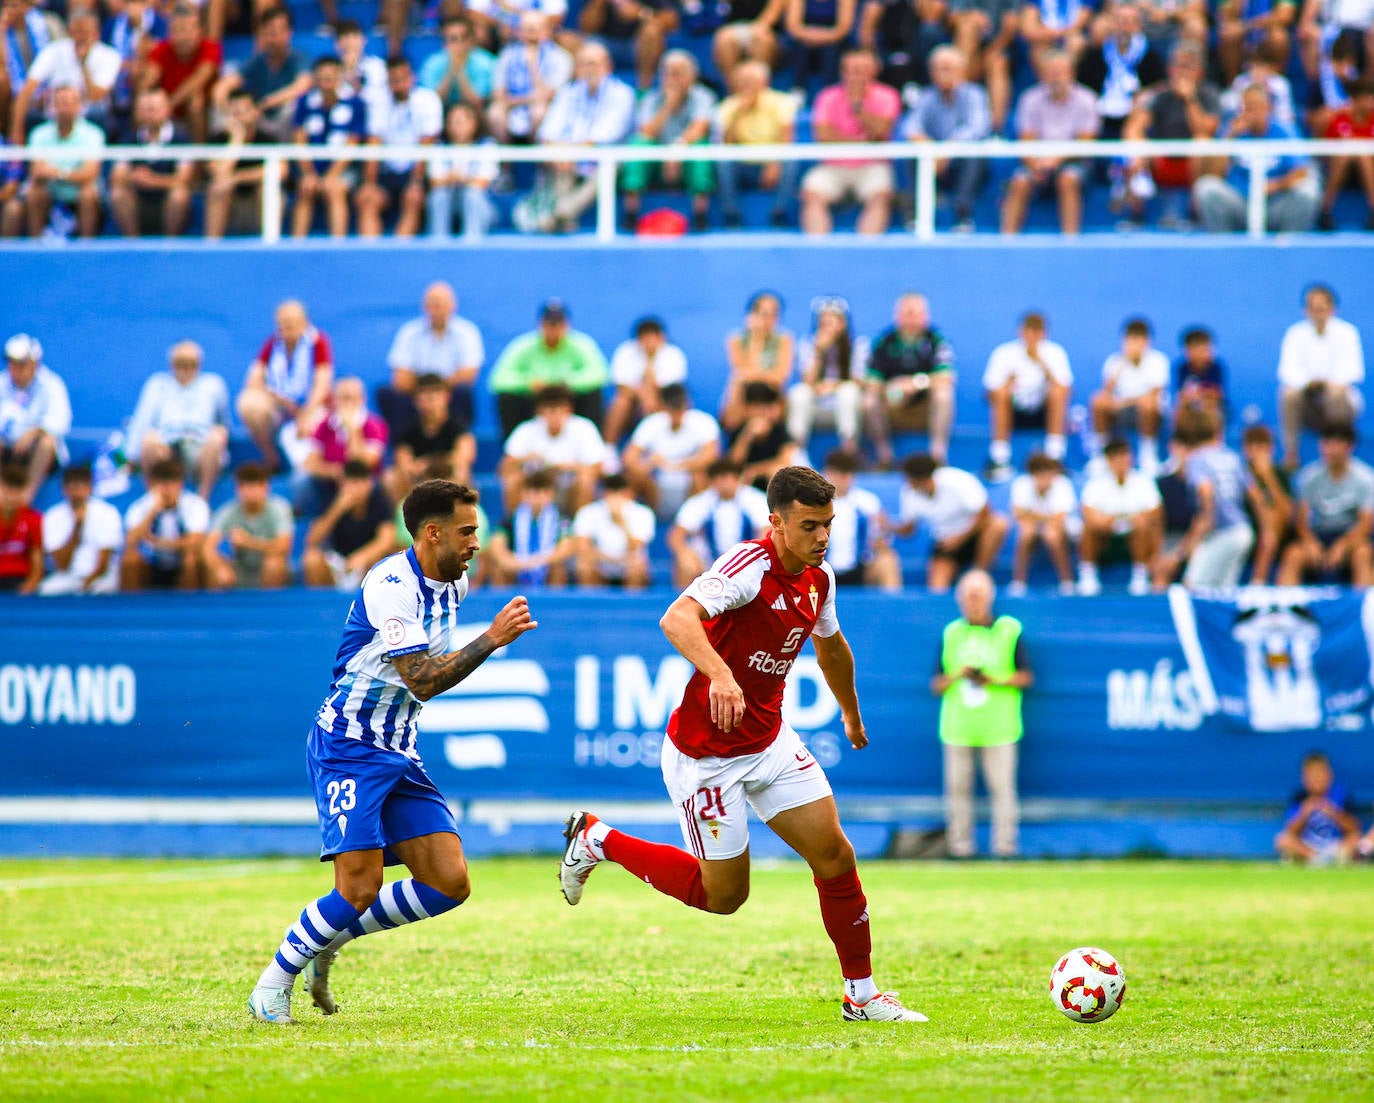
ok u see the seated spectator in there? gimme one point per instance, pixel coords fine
(1027, 382)
(596, 109)
(1218, 542)
(35, 412)
(233, 200)
(905, 35)
(66, 188)
(559, 441)
(1048, 27)
(82, 536)
(440, 342)
(1320, 826)
(1333, 516)
(1294, 191)
(460, 187)
(462, 71)
(748, 31)
(984, 33)
(952, 109)
(21, 534)
(327, 116)
(611, 538)
(858, 109)
(364, 75)
(531, 547)
(349, 431)
(164, 534)
(834, 365)
(964, 530)
(1045, 508)
(439, 468)
(152, 196)
(258, 528)
(1176, 21)
(1247, 24)
(133, 30)
(709, 524)
(760, 351)
(1119, 67)
(356, 531)
(434, 434)
(635, 31)
(1132, 395)
(912, 369)
(528, 74)
(760, 444)
(80, 63)
(1121, 519)
(1321, 364)
(554, 353)
(500, 20)
(275, 76)
(184, 413)
(185, 66)
(1264, 67)
(859, 551)
(817, 30)
(670, 451)
(1057, 110)
(287, 390)
(755, 114)
(1199, 376)
(640, 368)
(1269, 501)
(676, 113)
(1178, 507)
(1339, 65)
(410, 116)
(1350, 123)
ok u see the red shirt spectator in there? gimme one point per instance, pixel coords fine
(21, 535)
(176, 70)
(184, 66)
(1344, 124)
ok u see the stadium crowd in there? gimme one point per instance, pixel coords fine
(158, 73)
(617, 471)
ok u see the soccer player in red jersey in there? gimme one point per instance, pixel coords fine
(742, 625)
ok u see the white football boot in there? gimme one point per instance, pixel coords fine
(271, 1005)
(882, 1008)
(579, 856)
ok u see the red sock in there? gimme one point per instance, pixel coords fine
(672, 871)
(844, 910)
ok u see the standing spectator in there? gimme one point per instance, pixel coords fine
(152, 196)
(676, 113)
(670, 452)
(1121, 510)
(635, 31)
(467, 177)
(557, 440)
(1048, 26)
(858, 109)
(834, 365)
(185, 66)
(905, 35)
(1333, 516)
(356, 531)
(817, 30)
(531, 547)
(1353, 122)
(1293, 188)
(611, 538)
(80, 63)
(912, 367)
(1044, 506)
(1219, 540)
(1269, 499)
(462, 71)
(858, 551)
(709, 524)
(69, 177)
(433, 434)
(528, 74)
(555, 353)
(1320, 826)
(182, 413)
(640, 368)
(748, 32)
(1134, 382)
(288, 385)
(755, 114)
(1253, 25)
(761, 351)
(21, 534)
(326, 116)
(1027, 383)
(980, 676)
(1321, 365)
(233, 201)
(1059, 110)
(440, 342)
(964, 530)
(35, 412)
(348, 431)
(1199, 376)
(410, 117)
(760, 444)
(82, 536)
(985, 32)
(1119, 67)
(276, 75)
(258, 527)
(164, 534)
(952, 109)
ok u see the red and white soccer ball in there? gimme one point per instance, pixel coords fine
(1088, 985)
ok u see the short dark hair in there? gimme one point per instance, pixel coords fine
(675, 396)
(347, 26)
(1039, 462)
(77, 473)
(843, 461)
(1340, 430)
(1316, 758)
(1321, 289)
(433, 500)
(458, 19)
(1117, 446)
(243, 94)
(431, 381)
(919, 467)
(614, 482)
(723, 466)
(1257, 434)
(540, 479)
(1196, 335)
(555, 394)
(326, 60)
(14, 475)
(1195, 425)
(800, 486)
(759, 393)
(357, 469)
(397, 61)
(167, 471)
(1033, 319)
(650, 323)
(277, 13)
(1136, 327)
(251, 472)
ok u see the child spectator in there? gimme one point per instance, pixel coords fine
(1270, 501)
(761, 444)
(859, 551)
(1334, 515)
(964, 530)
(558, 440)
(1044, 506)
(1199, 377)
(612, 538)
(351, 535)
(640, 368)
(434, 435)
(1320, 827)
(710, 523)
(668, 454)
(1220, 537)
(164, 534)
(82, 536)
(1134, 383)
(531, 547)
(834, 365)
(1120, 514)
(1355, 121)
(21, 534)
(259, 529)
(462, 184)
(1027, 383)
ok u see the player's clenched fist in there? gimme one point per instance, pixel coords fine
(511, 622)
(727, 703)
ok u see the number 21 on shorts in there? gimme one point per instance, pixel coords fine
(343, 795)
(712, 805)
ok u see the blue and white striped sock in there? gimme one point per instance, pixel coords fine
(319, 924)
(398, 903)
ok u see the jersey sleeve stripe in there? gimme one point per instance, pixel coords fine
(742, 561)
(744, 551)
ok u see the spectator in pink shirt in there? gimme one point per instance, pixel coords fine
(350, 431)
(858, 109)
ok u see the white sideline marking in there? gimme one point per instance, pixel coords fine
(165, 877)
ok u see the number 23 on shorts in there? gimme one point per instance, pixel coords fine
(343, 795)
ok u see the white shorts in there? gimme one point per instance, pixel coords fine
(710, 793)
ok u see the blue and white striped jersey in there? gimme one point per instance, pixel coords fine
(398, 611)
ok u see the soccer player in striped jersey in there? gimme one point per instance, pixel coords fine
(742, 625)
(376, 803)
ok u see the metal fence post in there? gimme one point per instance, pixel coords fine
(925, 195)
(271, 200)
(1257, 200)
(605, 198)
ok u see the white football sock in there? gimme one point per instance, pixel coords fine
(861, 990)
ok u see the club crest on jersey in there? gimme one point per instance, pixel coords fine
(814, 596)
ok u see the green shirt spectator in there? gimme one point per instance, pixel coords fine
(70, 152)
(554, 353)
(257, 529)
(462, 71)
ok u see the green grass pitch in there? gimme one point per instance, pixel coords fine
(127, 981)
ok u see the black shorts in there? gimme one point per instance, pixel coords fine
(1028, 419)
(393, 183)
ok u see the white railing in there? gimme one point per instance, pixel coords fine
(1255, 154)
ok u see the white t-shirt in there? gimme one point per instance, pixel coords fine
(103, 530)
(56, 65)
(1059, 500)
(958, 499)
(1121, 501)
(578, 445)
(1030, 378)
(1124, 380)
(628, 364)
(714, 523)
(655, 435)
(612, 540)
(854, 529)
(1335, 356)
(405, 124)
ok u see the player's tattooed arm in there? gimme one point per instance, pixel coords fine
(427, 675)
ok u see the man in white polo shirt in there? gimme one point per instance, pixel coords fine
(668, 454)
(640, 368)
(409, 116)
(82, 62)
(1134, 383)
(560, 441)
(964, 530)
(1120, 507)
(439, 342)
(1321, 364)
(1027, 383)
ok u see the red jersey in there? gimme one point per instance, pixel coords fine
(1344, 125)
(175, 70)
(19, 535)
(761, 615)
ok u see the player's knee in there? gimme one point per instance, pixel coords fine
(727, 902)
(455, 885)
